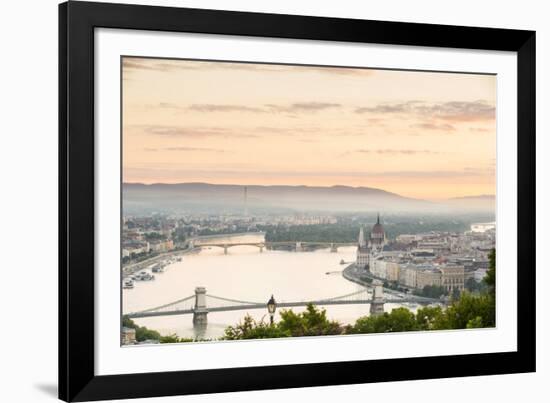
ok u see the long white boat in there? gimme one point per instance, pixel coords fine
(144, 276)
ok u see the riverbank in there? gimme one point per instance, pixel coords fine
(135, 267)
(352, 273)
(357, 275)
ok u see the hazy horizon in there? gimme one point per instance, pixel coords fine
(293, 185)
(422, 135)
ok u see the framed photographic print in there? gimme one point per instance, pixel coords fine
(260, 201)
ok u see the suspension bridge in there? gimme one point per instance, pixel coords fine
(201, 303)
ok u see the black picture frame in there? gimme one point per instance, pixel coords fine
(77, 21)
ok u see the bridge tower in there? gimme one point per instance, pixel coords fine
(261, 248)
(299, 247)
(333, 248)
(377, 304)
(225, 249)
(200, 311)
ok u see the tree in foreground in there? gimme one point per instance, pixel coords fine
(312, 322)
(398, 320)
(174, 338)
(490, 277)
(248, 328)
(143, 333)
(467, 312)
(427, 317)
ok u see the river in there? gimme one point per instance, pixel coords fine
(245, 274)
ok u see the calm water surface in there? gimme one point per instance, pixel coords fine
(245, 274)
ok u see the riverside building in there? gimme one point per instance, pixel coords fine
(367, 249)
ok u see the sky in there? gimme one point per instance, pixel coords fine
(419, 134)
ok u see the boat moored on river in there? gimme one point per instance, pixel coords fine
(144, 276)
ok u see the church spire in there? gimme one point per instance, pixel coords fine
(361, 240)
(378, 218)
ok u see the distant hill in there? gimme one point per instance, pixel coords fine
(230, 198)
(473, 203)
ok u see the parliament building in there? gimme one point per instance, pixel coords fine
(367, 248)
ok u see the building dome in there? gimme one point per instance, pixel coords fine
(377, 235)
(377, 228)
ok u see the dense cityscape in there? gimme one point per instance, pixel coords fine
(436, 264)
(433, 258)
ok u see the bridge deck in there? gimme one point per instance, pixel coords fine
(263, 306)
